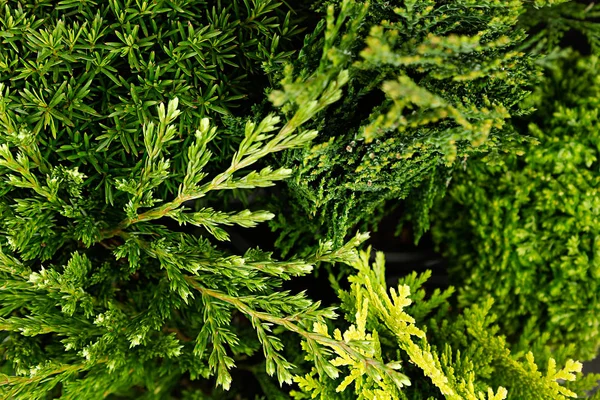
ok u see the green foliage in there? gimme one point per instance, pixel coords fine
(119, 144)
(525, 229)
(83, 76)
(550, 25)
(444, 355)
(64, 280)
(431, 83)
(103, 296)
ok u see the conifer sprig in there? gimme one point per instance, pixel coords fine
(257, 144)
(104, 296)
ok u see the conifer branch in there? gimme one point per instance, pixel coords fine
(291, 323)
(254, 147)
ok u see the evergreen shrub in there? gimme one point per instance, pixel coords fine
(101, 294)
(431, 84)
(123, 124)
(85, 75)
(526, 229)
(443, 353)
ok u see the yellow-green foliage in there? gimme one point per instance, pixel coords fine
(526, 229)
(437, 355)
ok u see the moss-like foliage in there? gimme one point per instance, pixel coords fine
(431, 83)
(526, 229)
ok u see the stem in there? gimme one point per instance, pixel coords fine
(19, 380)
(288, 323)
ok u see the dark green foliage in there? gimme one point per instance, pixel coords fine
(83, 75)
(431, 83)
(571, 24)
(526, 229)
